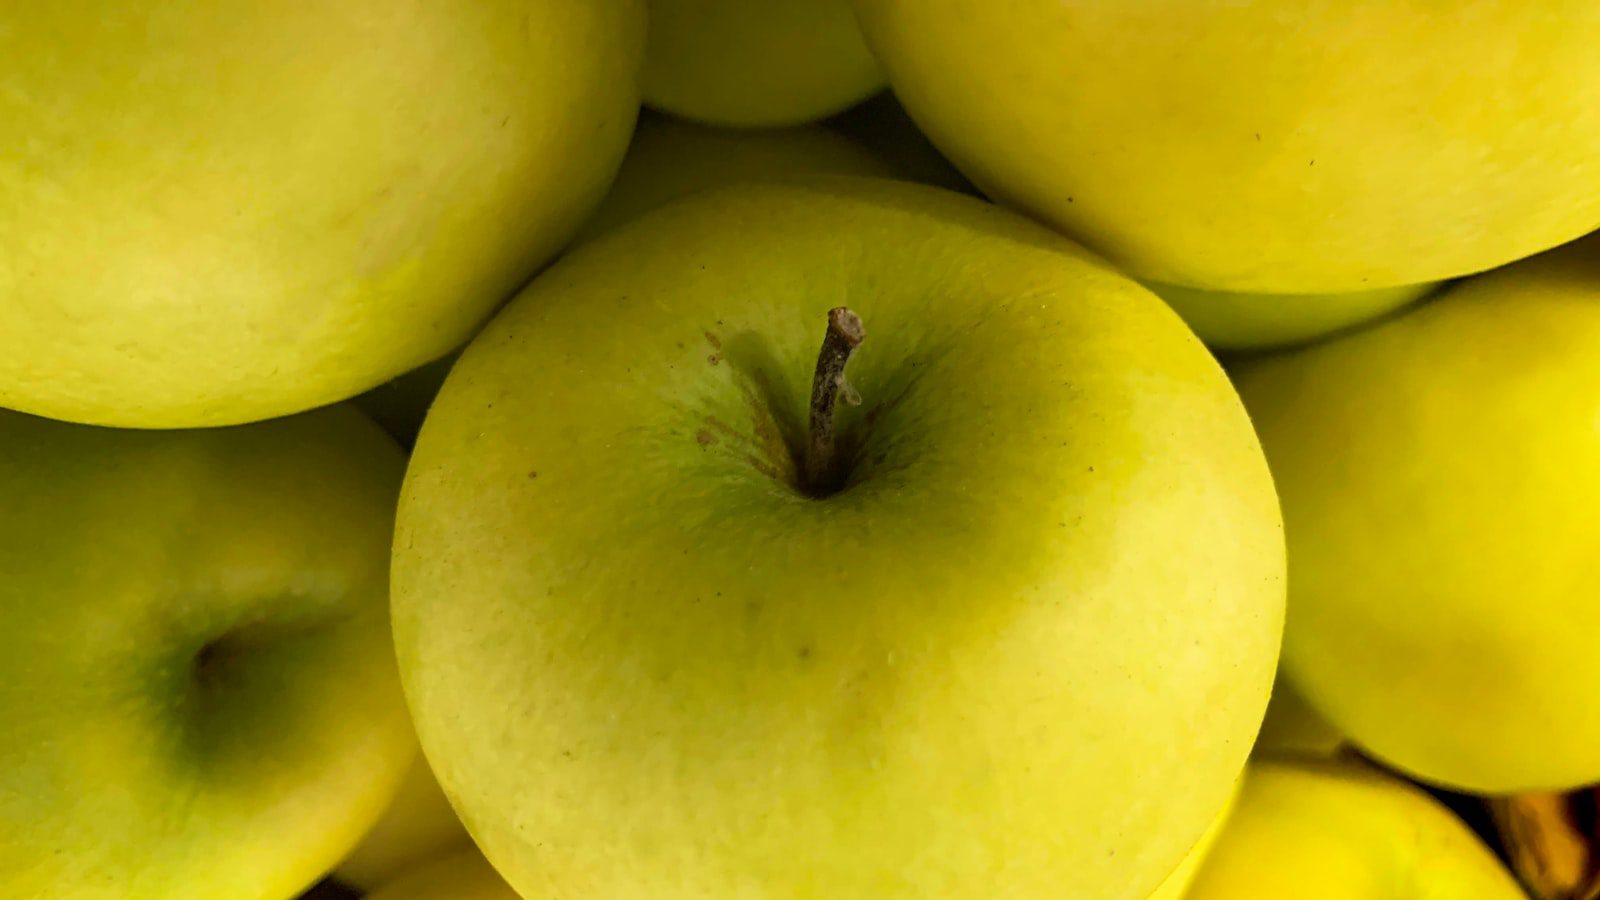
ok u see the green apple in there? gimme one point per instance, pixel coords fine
(196, 677)
(667, 159)
(1440, 474)
(1293, 728)
(1233, 321)
(218, 212)
(1291, 147)
(756, 63)
(882, 125)
(1176, 885)
(418, 826)
(1014, 630)
(464, 876)
(1315, 830)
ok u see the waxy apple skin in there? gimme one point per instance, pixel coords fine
(1321, 830)
(1282, 147)
(196, 676)
(1440, 476)
(219, 211)
(1027, 645)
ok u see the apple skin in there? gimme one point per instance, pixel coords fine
(1176, 885)
(1316, 830)
(1288, 147)
(763, 64)
(1440, 473)
(197, 681)
(1230, 321)
(225, 211)
(463, 876)
(666, 160)
(418, 826)
(1054, 581)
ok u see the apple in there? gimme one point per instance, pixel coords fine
(1287, 147)
(418, 826)
(743, 63)
(1439, 474)
(667, 159)
(1232, 321)
(1315, 830)
(197, 681)
(220, 212)
(670, 629)
(463, 876)
(1176, 884)
(882, 125)
(1293, 728)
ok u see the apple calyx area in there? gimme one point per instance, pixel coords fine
(824, 472)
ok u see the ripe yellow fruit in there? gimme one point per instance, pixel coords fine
(1267, 146)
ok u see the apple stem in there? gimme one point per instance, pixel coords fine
(844, 335)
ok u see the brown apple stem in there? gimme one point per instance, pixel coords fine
(844, 335)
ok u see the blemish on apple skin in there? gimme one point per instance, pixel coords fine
(533, 475)
(713, 359)
(713, 340)
(704, 438)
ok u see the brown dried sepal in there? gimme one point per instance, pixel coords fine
(1553, 841)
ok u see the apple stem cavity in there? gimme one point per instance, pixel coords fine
(823, 472)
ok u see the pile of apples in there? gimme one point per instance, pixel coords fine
(902, 463)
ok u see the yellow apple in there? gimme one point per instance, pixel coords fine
(1440, 476)
(1016, 632)
(756, 63)
(418, 826)
(197, 682)
(1176, 885)
(222, 211)
(1312, 830)
(1266, 146)
(464, 876)
(1232, 321)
